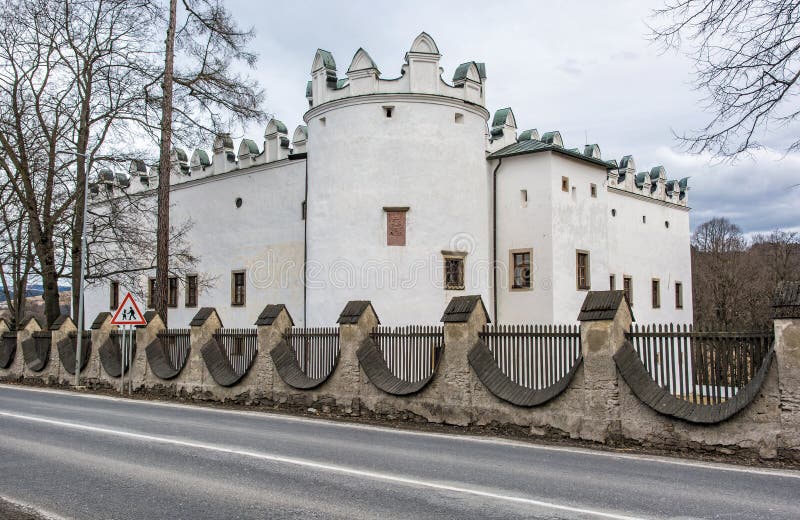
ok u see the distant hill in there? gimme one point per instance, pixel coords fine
(35, 290)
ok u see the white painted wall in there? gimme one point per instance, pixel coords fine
(361, 161)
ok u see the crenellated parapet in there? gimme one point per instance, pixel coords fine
(421, 74)
(224, 157)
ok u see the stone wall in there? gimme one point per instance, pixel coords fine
(597, 406)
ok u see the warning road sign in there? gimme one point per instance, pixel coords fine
(128, 313)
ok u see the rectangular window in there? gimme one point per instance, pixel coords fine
(191, 290)
(612, 283)
(520, 268)
(113, 302)
(593, 190)
(627, 288)
(523, 195)
(395, 225)
(172, 295)
(453, 271)
(238, 288)
(565, 184)
(678, 295)
(656, 285)
(151, 293)
(582, 270)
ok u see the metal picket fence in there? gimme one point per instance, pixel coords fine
(411, 352)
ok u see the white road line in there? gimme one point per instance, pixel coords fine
(325, 467)
(267, 416)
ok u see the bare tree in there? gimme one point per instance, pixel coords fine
(747, 60)
(16, 255)
(198, 98)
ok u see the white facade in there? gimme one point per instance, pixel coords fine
(420, 146)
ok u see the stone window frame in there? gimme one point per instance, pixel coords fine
(234, 301)
(458, 256)
(190, 300)
(587, 285)
(172, 291)
(512, 268)
(655, 292)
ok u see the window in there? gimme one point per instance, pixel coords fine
(172, 295)
(323, 121)
(656, 285)
(678, 295)
(191, 290)
(388, 111)
(593, 190)
(453, 270)
(644, 219)
(520, 268)
(613, 213)
(582, 270)
(459, 118)
(627, 288)
(395, 226)
(151, 293)
(114, 296)
(523, 196)
(237, 288)
(303, 210)
(612, 283)
(565, 184)
(666, 224)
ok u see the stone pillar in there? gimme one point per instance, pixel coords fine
(192, 380)
(342, 389)
(786, 314)
(14, 370)
(145, 335)
(272, 323)
(94, 375)
(25, 330)
(60, 331)
(605, 318)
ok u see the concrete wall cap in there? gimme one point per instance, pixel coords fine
(270, 314)
(602, 305)
(460, 309)
(353, 310)
(202, 315)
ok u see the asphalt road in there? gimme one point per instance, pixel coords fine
(83, 456)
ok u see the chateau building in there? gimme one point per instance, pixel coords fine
(407, 191)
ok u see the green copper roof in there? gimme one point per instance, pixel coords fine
(639, 179)
(656, 172)
(303, 129)
(527, 135)
(501, 116)
(341, 82)
(481, 70)
(279, 126)
(252, 147)
(553, 138)
(625, 161)
(202, 157)
(592, 150)
(461, 71)
(327, 59)
(181, 155)
(533, 146)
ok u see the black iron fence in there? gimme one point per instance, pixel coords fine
(240, 345)
(316, 349)
(411, 352)
(534, 356)
(177, 344)
(700, 366)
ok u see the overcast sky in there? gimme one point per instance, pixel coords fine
(585, 68)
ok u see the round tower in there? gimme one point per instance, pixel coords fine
(398, 187)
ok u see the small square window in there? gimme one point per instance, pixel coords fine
(593, 190)
(191, 290)
(582, 270)
(238, 288)
(172, 295)
(459, 118)
(388, 111)
(565, 184)
(454, 273)
(521, 269)
(656, 285)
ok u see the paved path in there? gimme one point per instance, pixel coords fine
(83, 456)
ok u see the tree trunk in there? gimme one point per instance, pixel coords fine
(164, 168)
(45, 251)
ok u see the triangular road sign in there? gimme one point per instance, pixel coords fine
(128, 313)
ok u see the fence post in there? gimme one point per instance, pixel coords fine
(144, 336)
(356, 321)
(14, 370)
(272, 323)
(605, 318)
(101, 329)
(463, 320)
(59, 331)
(786, 315)
(202, 328)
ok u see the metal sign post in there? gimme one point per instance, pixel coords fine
(127, 316)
